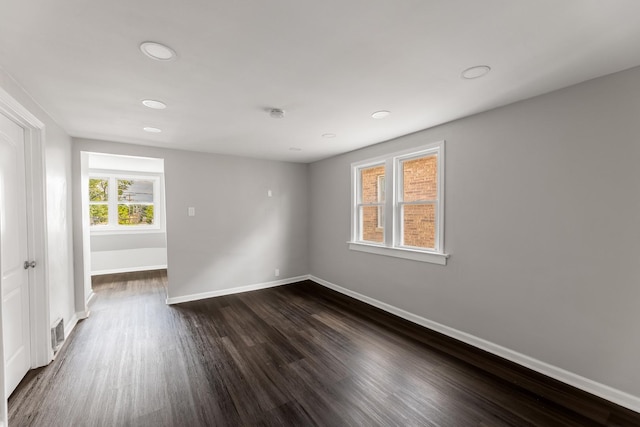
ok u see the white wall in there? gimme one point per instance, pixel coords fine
(239, 236)
(542, 224)
(59, 225)
(117, 253)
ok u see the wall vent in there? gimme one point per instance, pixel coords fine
(57, 335)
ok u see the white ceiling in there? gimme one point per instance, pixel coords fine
(329, 64)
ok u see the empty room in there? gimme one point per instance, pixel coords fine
(337, 213)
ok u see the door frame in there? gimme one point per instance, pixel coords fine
(35, 181)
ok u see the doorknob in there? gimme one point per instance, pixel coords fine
(28, 264)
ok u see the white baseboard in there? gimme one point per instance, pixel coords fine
(236, 290)
(90, 300)
(128, 270)
(81, 315)
(68, 328)
(601, 390)
(70, 325)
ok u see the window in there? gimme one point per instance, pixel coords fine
(123, 202)
(99, 201)
(401, 216)
(381, 199)
(371, 204)
(418, 200)
(135, 202)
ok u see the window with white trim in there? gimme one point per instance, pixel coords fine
(398, 204)
(380, 190)
(123, 202)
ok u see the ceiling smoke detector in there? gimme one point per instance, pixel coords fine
(276, 113)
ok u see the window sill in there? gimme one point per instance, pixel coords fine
(414, 255)
(114, 231)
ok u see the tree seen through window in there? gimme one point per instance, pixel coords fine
(134, 204)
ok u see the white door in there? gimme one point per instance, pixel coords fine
(14, 277)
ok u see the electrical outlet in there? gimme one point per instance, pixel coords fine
(277, 272)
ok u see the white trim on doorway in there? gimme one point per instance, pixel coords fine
(34, 132)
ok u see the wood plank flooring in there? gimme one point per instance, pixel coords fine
(296, 355)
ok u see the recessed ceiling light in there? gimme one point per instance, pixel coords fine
(158, 51)
(380, 114)
(475, 72)
(151, 130)
(328, 135)
(295, 149)
(276, 113)
(156, 105)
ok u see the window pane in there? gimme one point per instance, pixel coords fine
(419, 177)
(135, 214)
(98, 214)
(419, 225)
(372, 184)
(135, 191)
(98, 189)
(372, 230)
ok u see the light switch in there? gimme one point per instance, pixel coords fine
(192, 211)
(269, 193)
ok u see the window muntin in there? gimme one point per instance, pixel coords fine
(411, 214)
(133, 208)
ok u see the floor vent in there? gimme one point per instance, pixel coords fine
(57, 335)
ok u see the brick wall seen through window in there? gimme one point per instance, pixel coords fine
(420, 183)
(371, 232)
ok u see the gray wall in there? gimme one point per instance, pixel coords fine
(239, 235)
(58, 183)
(120, 241)
(542, 224)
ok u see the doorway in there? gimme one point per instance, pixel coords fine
(123, 210)
(24, 312)
(14, 253)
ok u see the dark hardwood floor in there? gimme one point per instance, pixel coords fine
(294, 355)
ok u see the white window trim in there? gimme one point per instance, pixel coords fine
(157, 227)
(406, 253)
(391, 245)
